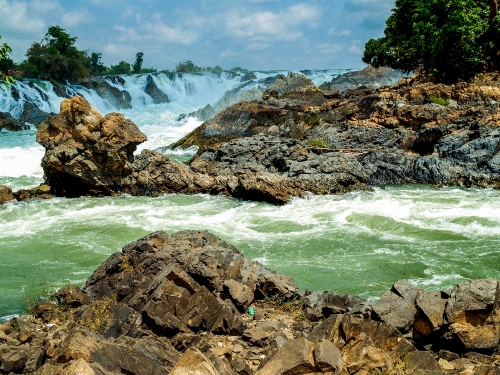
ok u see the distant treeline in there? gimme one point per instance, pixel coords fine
(56, 58)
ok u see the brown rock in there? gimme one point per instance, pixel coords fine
(241, 295)
(418, 360)
(73, 296)
(430, 314)
(86, 152)
(5, 194)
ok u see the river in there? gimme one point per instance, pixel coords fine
(359, 243)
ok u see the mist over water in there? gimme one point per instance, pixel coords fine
(359, 243)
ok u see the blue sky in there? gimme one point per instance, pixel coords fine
(254, 34)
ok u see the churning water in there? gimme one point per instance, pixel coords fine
(359, 243)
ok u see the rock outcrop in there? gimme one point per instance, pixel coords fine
(370, 77)
(86, 151)
(177, 305)
(9, 123)
(152, 90)
(116, 97)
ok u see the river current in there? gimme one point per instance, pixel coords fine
(359, 243)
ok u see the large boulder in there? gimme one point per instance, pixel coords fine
(6, 194)
(86, 153)
(9, 123)
(368, 77)
(152, 90)
(117, 98)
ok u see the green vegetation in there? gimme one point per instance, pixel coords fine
(319, 143)
(331, 121)
(56, 58)
(439, 99)
(37, 292)
(138, 63)
(312, 120)
(6, 64)
(450, 39)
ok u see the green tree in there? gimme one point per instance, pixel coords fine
(96, 65)
(187, 66)
(123, 67)
(138, 62)
(452, 39)
(5, 64)
(57, 58)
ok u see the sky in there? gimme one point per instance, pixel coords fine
(252, 34)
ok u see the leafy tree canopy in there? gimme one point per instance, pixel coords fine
(452, 39)
(57, 58)
(123, 67)
(5, 63)
(138, 62)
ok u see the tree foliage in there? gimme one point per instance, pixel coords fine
(123, 67)
(57, 58)
(96, 65)
(138, 63)
(452, 39)
(6, 63)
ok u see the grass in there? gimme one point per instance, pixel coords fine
(312, 120)
(439, 99)
(279, 121)
(331, 121)
(100, 313)
(293, 306)
(38, 292)
(125, 264)
(319, 143)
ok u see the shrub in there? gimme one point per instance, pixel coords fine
(312, 120)
(319, 143)
(37, 292)
(438, 99)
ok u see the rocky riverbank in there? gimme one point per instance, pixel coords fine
(189, 303)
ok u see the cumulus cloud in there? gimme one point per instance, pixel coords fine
(156, 32)
(75, 18)
(328, 48)
(227, 53)
(16, 18)
(265, 26)
(356, 47)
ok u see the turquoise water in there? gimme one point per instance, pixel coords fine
(359, 243)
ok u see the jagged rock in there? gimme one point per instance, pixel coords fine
(302, 356)
(430, 313)
(6, 194)
(117, 98)
(241, 295)
(470, 300)
(193, 361)
(43, 191)
(248, 76)
(256, 336)
(152, 90)
(72, 295)
(85, 152)
(422, 361)
(9, 123)
(397, 306)
(368, 77)
(34, 115)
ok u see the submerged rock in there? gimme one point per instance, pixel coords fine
(6, 194)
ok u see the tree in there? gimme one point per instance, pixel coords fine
(5, 64)
(450, 39)
(138, 62)
(123, 67)
(96, 65)
(57, 58)
(188, 66)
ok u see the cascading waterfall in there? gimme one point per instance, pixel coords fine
(359, 243)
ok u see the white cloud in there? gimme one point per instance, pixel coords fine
(156, 32)
(258, 46)
(16, 18)
(75, 18)
(227, 53)
(337, 32)
(356, 47)
(265, 26)
(327, 48)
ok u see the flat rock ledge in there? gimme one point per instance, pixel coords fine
(180, 304)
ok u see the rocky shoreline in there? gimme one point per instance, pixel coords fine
(189, 303)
